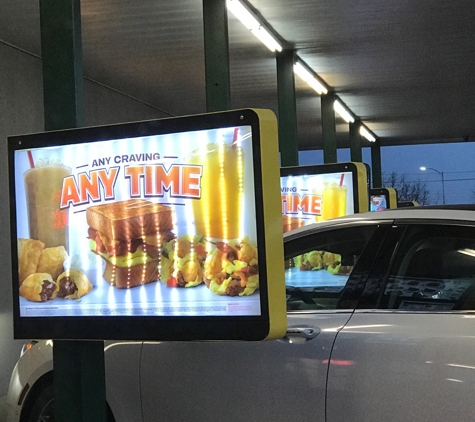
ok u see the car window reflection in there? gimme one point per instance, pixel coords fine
(320, 266)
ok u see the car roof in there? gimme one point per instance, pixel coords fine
(464, 213)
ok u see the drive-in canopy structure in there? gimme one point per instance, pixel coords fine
(404, 68)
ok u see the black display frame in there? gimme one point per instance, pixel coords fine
(170, 328)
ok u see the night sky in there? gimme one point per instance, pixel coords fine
(455, 160)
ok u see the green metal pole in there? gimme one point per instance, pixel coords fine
(61, 50)
(356, 151)
(288, 143)
(328, 128)
(376, 164)
(216, 47)
(79, 372)
(79, 381)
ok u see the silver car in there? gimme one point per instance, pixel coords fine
(381, 327)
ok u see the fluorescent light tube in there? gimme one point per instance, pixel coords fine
(303, 73)
(467, 251)
(364, 132)
(343, 112)
(246, 17)
(251, 23)
(267, 39)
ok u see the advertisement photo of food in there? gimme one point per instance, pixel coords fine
(43, 276)
(155, 228)
(129, 235)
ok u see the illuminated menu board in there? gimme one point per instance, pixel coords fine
(316, 193)
(148, 221)
(381, 199)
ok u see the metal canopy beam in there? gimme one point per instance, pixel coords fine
(216, 46)
(356, 151)
(288, 143)
(376, 164)
(328, 128)
(61, 50)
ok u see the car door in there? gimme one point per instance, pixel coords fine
(408, 350)
(278, 380)
(122, 365)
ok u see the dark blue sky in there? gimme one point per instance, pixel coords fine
(455, 160)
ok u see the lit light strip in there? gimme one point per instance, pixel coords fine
(455, 365)
(303, 73)
(267, 39)
(467, 251)
(251, 23)
(343, 112)
(364, 132)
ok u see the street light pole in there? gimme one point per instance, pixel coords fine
(443, 180)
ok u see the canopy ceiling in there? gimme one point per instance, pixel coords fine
(405, 67)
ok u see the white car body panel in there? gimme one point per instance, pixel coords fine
(238, 381)
(31, 366)
(122, 361)
(402, 366)
(296, 364)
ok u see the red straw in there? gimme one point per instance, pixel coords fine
(341, 179)
(30, 159)
(235, 136)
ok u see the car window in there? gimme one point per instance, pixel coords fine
(318, 266)
(433, 270)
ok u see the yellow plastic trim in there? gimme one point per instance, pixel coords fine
(274, 244)
(392, 197)
(362, 177)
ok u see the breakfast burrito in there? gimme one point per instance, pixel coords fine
(231, 268)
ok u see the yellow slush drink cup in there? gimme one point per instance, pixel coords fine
(43, 185)
(218, 214)
(334, 200)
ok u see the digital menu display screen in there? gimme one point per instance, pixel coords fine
(311, 194)
(381, 199)
(163, 224)
(378, 203)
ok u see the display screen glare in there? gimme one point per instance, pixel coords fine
(161, 225)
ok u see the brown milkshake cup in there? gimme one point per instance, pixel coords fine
(47, 222)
